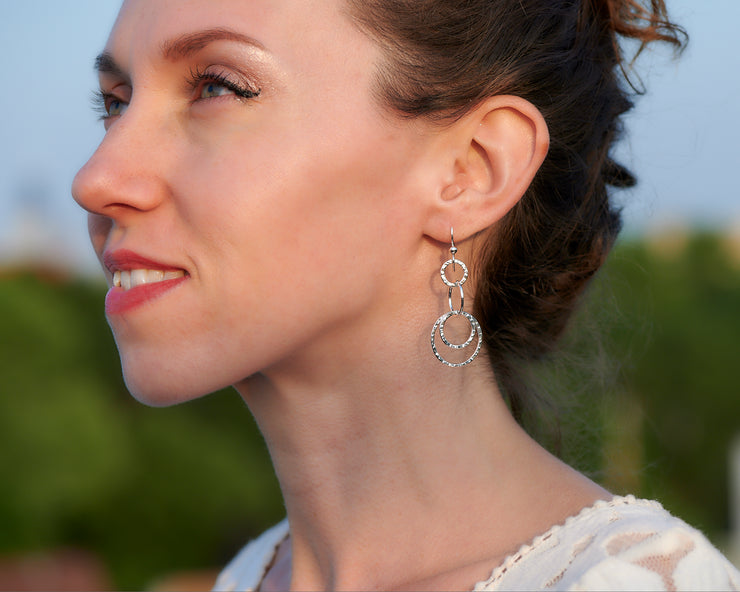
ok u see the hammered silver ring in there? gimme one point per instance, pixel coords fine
(461, 281)
(475, 329)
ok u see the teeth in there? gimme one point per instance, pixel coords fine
(154, 275)
(128, 279)
(138, 277)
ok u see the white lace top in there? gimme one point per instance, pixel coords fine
(622, 544)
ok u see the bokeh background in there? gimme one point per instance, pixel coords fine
(97, 491)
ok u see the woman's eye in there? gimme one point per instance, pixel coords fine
(207, 85)
(214, 89)
(108, 105)
(115, 107)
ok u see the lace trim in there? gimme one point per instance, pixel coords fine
(616, 502)
(282, 531)
(273, 556)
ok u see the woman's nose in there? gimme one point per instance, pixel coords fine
(122, 178)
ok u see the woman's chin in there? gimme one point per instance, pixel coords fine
(162, 390)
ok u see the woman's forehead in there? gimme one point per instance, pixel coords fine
(275, 24)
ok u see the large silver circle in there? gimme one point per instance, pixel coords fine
(475, 329)
(444, 275)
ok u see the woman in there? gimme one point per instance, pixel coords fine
(279, 185)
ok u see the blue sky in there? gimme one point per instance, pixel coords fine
(681, 142)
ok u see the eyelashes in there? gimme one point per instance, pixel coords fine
(203, 85)
(103, 103)
(202, 82)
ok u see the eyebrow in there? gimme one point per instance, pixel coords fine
(106, 64)
(178, 48)
(186, 45)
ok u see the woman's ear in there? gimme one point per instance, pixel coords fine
(498, 148)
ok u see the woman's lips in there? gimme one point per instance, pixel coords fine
(120, 300)
(137, 280)
(125, 259)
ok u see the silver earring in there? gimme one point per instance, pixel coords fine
(440, 324)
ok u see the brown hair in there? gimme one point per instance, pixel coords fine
(444, 57)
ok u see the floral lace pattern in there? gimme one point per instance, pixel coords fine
(621, 544)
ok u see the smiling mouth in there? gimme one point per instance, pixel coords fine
(132, 278)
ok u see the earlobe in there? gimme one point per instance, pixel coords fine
(500, 147)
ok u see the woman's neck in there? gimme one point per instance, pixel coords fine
(402, 477)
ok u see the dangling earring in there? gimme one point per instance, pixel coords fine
(440, 324)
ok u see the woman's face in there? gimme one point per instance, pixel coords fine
(250, 181)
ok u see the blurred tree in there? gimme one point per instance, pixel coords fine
(680, 338)
(83, 464)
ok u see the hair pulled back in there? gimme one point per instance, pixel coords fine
(443, 57)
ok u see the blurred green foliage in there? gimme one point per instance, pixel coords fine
(647, 386)
(150, 490)
(680, 340)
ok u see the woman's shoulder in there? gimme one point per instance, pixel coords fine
(621, 544)
(246, 570)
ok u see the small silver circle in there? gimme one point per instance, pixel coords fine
(475, 329)
(461, 281)
(455, 345)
